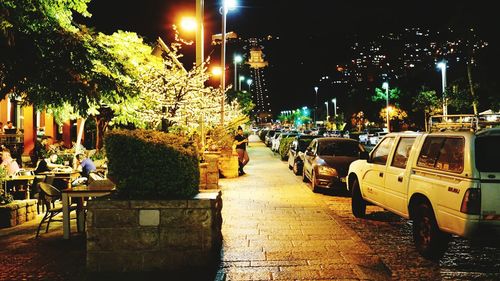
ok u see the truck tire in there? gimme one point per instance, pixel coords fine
(429, 240)
(358, 204)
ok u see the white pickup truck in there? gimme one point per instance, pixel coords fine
(446, 182)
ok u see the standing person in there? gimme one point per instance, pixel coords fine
(241, 147)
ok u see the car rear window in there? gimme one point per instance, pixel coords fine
(487, 153)
(339, 148)
(304, 143)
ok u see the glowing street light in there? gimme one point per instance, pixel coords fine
(242, 78)
(442, 66)
(315, 104)
(249, 82)
(227, 5)
(237, 59)
(326, 103)
(385, 86)
(188, 23)
(216, 71)
(334, 101)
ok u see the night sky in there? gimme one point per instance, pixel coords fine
(313, 34)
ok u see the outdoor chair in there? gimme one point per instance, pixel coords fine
(35, 190)
(49, 194)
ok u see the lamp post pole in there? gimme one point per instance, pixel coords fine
(199, 32)
(385, 85)
(326, 103)
(237, 59)
(442, 66)
(249, 82)
(315, 104)
(334, 101)
(241, 78)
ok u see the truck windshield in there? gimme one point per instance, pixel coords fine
(487, 153)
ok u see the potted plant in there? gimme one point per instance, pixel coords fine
(157, 219)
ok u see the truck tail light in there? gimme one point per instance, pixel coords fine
(471, 204)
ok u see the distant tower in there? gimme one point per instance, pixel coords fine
(260, 95)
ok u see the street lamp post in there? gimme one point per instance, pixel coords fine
(226, 6)
(385, 86)
(315, 104)
(334, 101)
(249, 82)
(442, 65)
(239, 82)
(237, 59)
(326, 103)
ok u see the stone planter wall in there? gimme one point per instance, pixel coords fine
(163, 235)
(211, 177)
(228, 165)
(17, 212)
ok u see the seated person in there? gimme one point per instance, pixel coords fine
(47, 164)
(9, 164)
(85, 165)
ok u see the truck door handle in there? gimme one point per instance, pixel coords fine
(400, 178)
(380, 174)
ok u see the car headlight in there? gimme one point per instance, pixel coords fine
(327, 171)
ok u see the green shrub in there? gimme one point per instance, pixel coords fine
(285, 147)
(151, 165)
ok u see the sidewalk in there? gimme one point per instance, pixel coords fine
(275, 228)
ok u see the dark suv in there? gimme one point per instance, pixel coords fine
(327, 160)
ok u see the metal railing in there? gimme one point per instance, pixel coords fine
(463, 122)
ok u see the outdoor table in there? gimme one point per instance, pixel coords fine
(80, 192)
(17, 179)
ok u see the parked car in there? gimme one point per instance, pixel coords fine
(327, 160)
(268, 137)
(373, 140)
(365, 137)
(275, 144)
(446, 182)
(296, 152)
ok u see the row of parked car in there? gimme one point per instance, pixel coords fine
(447, 182)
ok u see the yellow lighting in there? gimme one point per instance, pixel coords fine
(188, 23)
(216, 71)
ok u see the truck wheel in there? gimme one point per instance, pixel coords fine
(430, 242)
(313, 183)
(358, 204)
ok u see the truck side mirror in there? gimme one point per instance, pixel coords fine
(364, 155)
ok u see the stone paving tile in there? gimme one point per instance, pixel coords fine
(291, 234)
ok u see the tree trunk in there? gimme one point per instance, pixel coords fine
(101, 125)
(471, 87)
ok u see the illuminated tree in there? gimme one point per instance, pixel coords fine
(428, 103)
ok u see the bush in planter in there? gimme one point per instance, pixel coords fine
(151, 165)
(285, 147)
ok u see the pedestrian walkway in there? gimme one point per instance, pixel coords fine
(275, 228)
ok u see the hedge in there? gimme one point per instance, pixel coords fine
(151, 165)
(285, 147)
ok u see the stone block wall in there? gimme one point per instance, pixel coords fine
(17, 212)
(210, 178)
(150, 235)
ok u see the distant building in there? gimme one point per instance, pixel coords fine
(258, 87)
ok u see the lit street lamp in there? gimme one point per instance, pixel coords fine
(239, 82)
(237, 59)
(442, 65)
(385, 86)
(315, 104)
(334, 101)
(249, 82)
(326, 103)
(226, 6)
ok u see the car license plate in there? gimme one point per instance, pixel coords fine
(342, 179)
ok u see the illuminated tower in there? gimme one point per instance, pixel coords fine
(260, 95)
